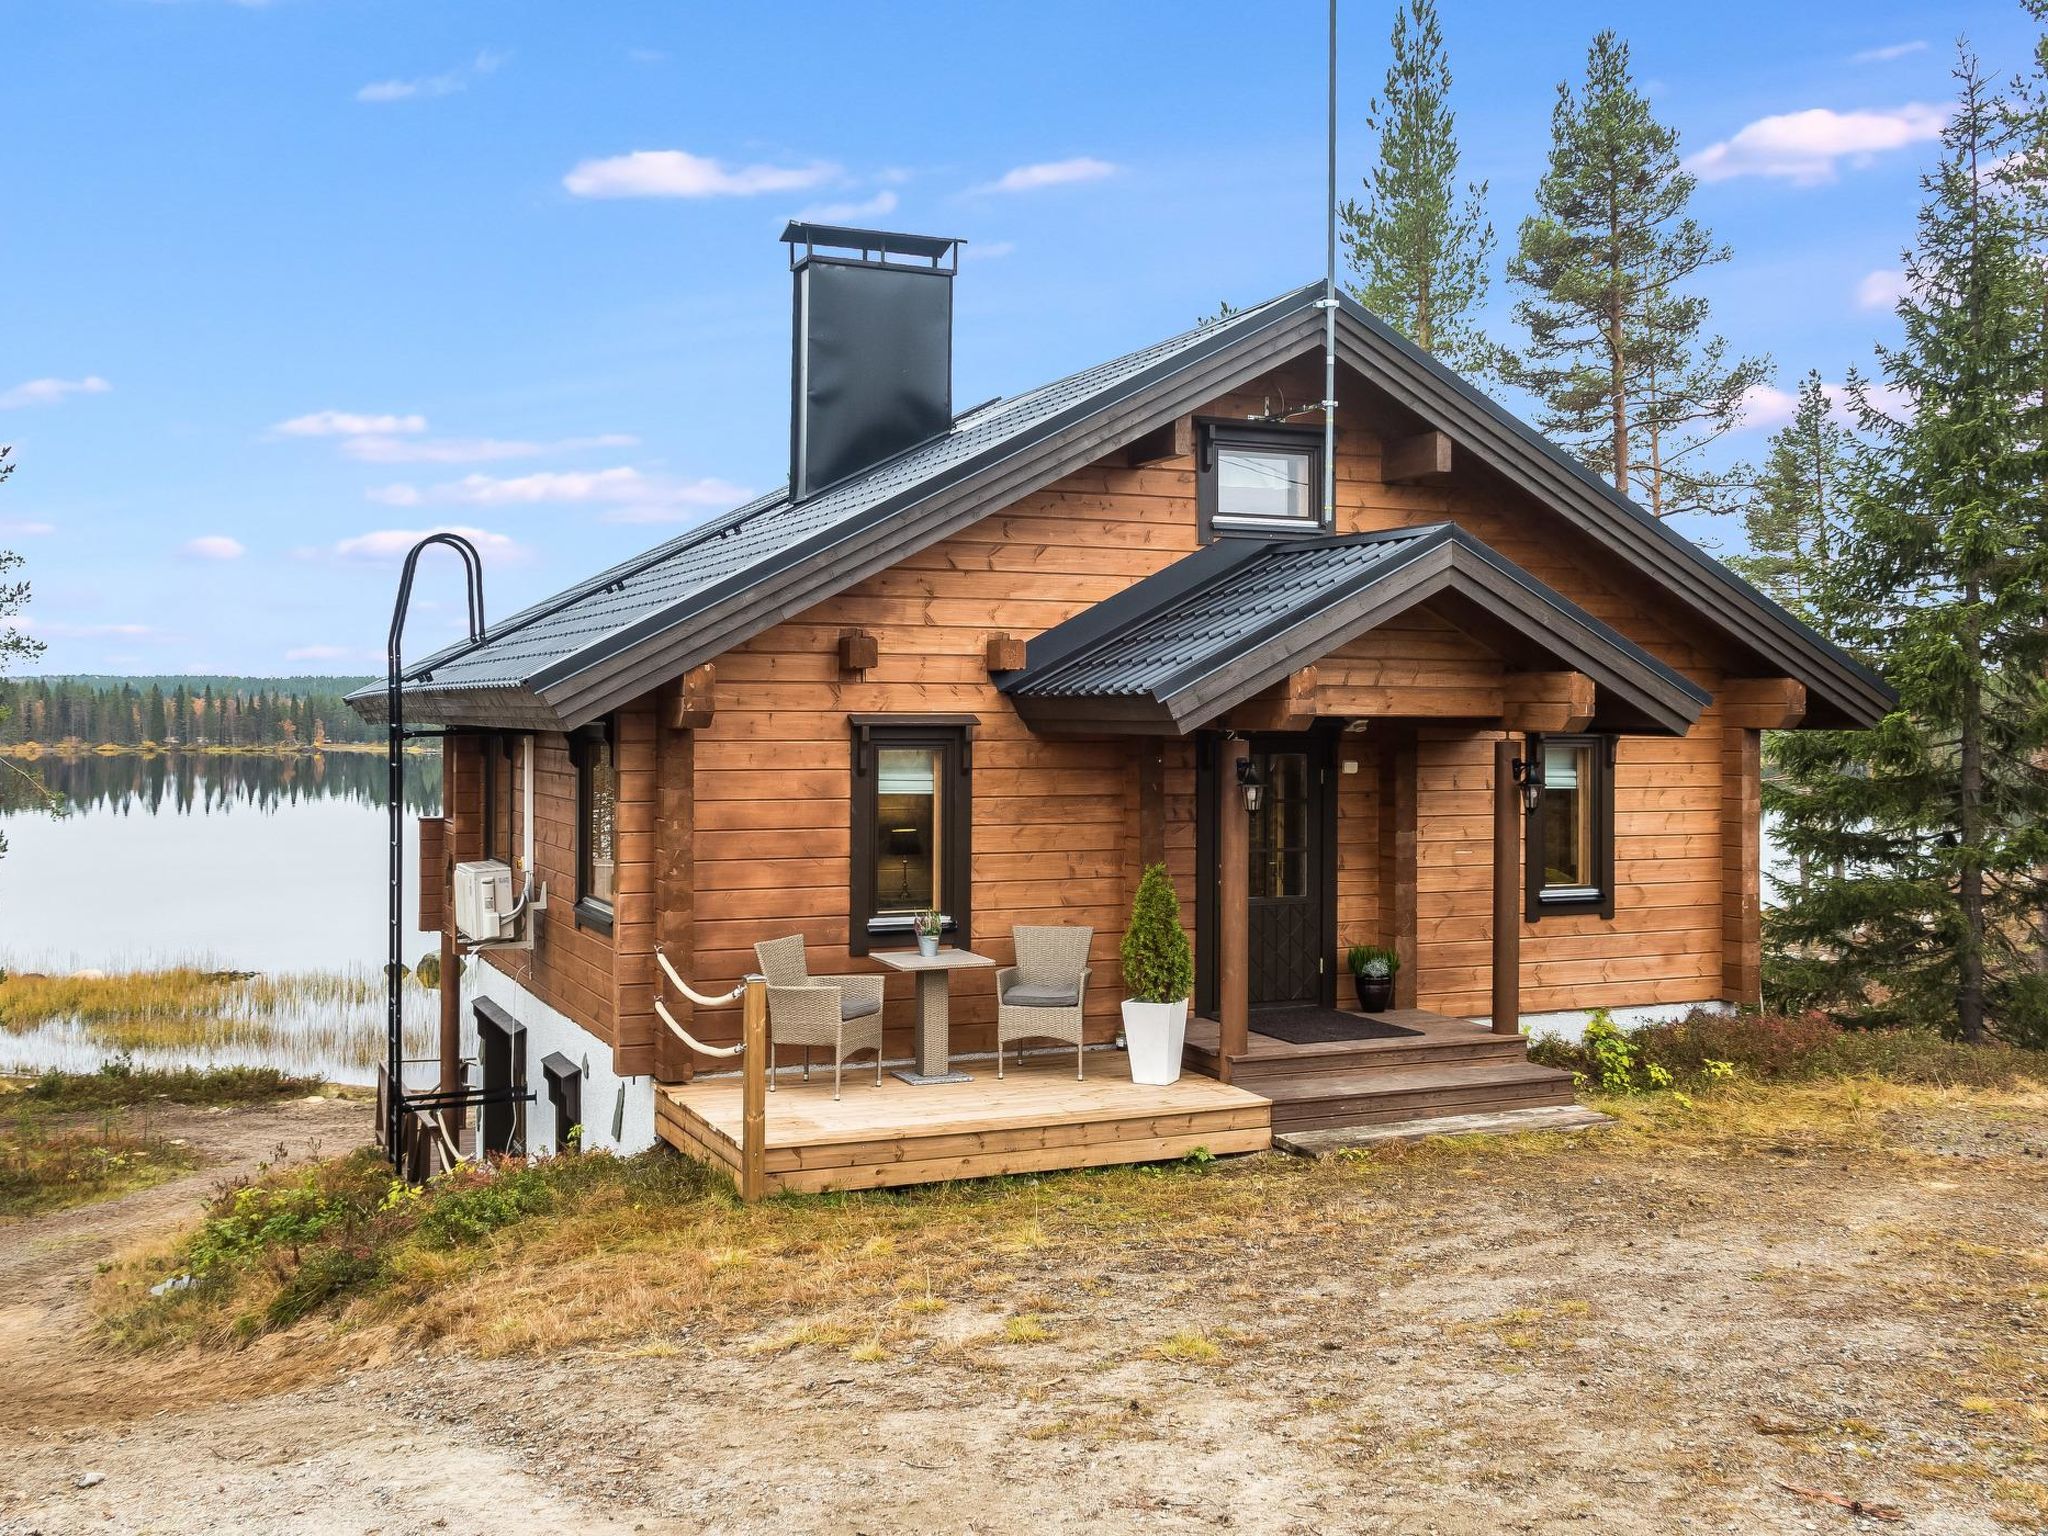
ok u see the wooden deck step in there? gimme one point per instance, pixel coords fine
(1377, 1055)
(1380, 1095)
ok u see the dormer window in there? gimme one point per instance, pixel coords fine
(1259, 480)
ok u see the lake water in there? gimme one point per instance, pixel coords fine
(268, 864)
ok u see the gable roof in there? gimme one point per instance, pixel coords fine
(1182, 647)
(584, 652)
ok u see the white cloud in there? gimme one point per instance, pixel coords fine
(25, 529)
(678, 173)
(1889, 52)
(1050, 173)
(347, 424)
(1804, 147)
(621, 486)
(51, 391)
(392, 543)
(376, 448)
(426, 87)
(883, 202)
(988, 250)
(1881, 289)
(214, 546)
(318, 653)
(1766, 408)
(646, 56)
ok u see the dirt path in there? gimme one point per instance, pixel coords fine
(1584, 1339)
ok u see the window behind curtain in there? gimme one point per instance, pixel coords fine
(908, 861)
(911, 817)
(1571, 835)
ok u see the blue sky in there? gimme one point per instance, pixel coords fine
(290, 280)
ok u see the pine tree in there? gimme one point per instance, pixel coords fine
(1793, 519)
(1418, 247)
(1929, 835)
(1616, 353)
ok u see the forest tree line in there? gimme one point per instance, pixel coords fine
(178, 712)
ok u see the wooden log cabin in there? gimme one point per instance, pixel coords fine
(995, 662)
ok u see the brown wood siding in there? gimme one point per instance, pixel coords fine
(569, 968)
(1062, 826)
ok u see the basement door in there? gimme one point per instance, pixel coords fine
(1292, 847)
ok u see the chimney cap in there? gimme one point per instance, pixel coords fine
(872, 244)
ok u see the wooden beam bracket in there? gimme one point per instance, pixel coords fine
(1556, 702)
(1416, 460)
(695, 699)
(1762, 703)
(1005, 653)
(1174, 440)
(1289, 705)
(858, 650)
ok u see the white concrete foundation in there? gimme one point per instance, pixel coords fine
(550, 1033)
(1571, 1024)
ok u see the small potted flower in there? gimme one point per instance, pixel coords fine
(1372, 973)
(1159, 973)
(928, 925)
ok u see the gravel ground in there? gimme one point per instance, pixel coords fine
(1607, 1337)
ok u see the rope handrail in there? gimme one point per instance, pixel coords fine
(691, 1040)
(692, 993)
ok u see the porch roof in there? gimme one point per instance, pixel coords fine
(1182, 647)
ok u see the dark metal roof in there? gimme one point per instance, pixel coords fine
(681, 590)
(1187, 644)
(880, 241)
(601, 643)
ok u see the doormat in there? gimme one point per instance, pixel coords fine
(1308, 1024)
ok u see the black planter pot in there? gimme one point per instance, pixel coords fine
(1375, 993)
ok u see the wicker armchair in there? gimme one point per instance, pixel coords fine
(1041, 996)
(841, 1013)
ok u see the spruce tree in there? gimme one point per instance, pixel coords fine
(1418, 246)
(1617, 354)
(1794, 517)
(1928, 836)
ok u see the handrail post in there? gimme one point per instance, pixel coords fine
(754, 1095)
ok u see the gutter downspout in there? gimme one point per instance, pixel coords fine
(1329, 300)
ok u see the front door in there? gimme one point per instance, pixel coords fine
(1289, 920)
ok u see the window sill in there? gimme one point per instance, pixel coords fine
(594, 917)
(1577, 904)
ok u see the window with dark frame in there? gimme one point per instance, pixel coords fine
(1259, 480)
(1571, 832)
(911, 815)
(597, 805)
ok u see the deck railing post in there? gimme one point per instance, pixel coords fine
(754, 1065)
(1233, 909)
(1507, 890)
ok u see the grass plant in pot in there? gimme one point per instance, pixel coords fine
(928, 926)
(1372, 973)
(1159, 973)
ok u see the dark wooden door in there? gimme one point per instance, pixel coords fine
(1288, 917)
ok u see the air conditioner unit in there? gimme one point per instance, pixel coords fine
(485, 900)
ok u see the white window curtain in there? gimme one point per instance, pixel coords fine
(904, 771)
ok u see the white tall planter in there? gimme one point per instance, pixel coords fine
(1154, 1034)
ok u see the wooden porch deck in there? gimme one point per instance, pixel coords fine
(1035, 1119)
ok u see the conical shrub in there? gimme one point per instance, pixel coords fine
(1159, 965)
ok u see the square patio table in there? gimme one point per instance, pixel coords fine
(934, 975)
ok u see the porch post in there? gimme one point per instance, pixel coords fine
(1507, 891)
(1233, 907)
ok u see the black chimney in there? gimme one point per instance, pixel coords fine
(873, 367)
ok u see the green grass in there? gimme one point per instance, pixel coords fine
(118, 1084)
(42, 1169)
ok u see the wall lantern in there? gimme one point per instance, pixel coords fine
(1252, 783)
(1530, 778)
